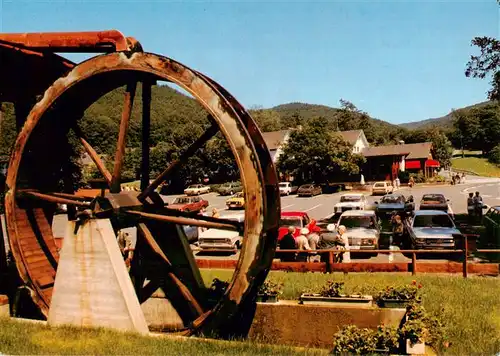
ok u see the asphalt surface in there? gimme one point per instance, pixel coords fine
(322, 206)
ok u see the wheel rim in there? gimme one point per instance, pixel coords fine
(257, 171)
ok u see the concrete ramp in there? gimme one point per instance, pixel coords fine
(92, 286)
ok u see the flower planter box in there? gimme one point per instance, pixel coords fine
(415, 349)
(356, 300)
(393, 303)
(265, 298)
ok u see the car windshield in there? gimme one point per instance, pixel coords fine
(291, 221)
(432, 221)
(347, 198)
(392, 199)
(239, 195)
(307, 186)
(438, 198)
(181, 201)
(283, 184)
(379, 184)
(193, 186)
(358, 221)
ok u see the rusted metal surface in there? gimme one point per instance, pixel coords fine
(81, 42)
(128, 102)
(97, 161)
(184, 221)
(111, 71)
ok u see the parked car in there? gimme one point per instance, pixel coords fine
(230, 188)
(363, 231)
(237, 201)
(188, 204)
(432, 229)
(351, 201)
(382, 188)
(298, 219)
(197, 189)
(393, 202)
(434, 202)
(222, 239)
(309, 190)
(286, 188)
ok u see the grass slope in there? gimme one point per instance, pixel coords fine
(469, 307)
(35, 339)
(477, 165)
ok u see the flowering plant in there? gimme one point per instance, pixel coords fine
(332, 289)
(404, 292)
(271, 288)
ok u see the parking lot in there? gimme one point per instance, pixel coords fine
(321, 206)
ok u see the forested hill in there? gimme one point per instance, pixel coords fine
(348, 117)
(444, 122)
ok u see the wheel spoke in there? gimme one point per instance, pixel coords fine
(183, 290)
(223, 224)
(207, 135)
(128, 103)
(97, 160)
(52, 198)
(146, 124)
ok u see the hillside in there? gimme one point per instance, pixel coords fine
(376, 131)
(445, 122)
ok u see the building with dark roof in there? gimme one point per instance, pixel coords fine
(385, 162)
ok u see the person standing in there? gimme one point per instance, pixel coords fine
(397, 229)
(345, 256)
(126, 246)
(215, 213)
(303, 244)
(288, 243)
(470, 207)
(411, 182)
(478, 207)
(398, 182)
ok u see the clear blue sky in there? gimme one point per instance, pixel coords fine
(398, 60)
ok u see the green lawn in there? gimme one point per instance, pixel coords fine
(470, 308)
(18, 338)
(478, 165)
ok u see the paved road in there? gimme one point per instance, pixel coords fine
(322, 205)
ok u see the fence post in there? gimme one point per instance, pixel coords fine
(466, 253)
(330, 261)
(413, 264)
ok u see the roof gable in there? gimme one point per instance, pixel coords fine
(413, 150)
(275, 139)
(351, 136)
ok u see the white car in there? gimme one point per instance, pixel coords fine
(222, 239)
(382, 188)
(285, 188)
(363, 231)
(197, 189)
(351, 201)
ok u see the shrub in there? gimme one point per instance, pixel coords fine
(271, 288)
(404, 292)
(354, 340)
(404, 177)
(415, 331)
(387, 338)
(419, 177)
(494, 155)
(332, 289)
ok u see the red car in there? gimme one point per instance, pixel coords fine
(298, 219)
(188, 204)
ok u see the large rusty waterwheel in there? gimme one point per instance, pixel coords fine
(40, 177)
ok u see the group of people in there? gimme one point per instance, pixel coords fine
(309, 240)
(457, 178)
(475, 207)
